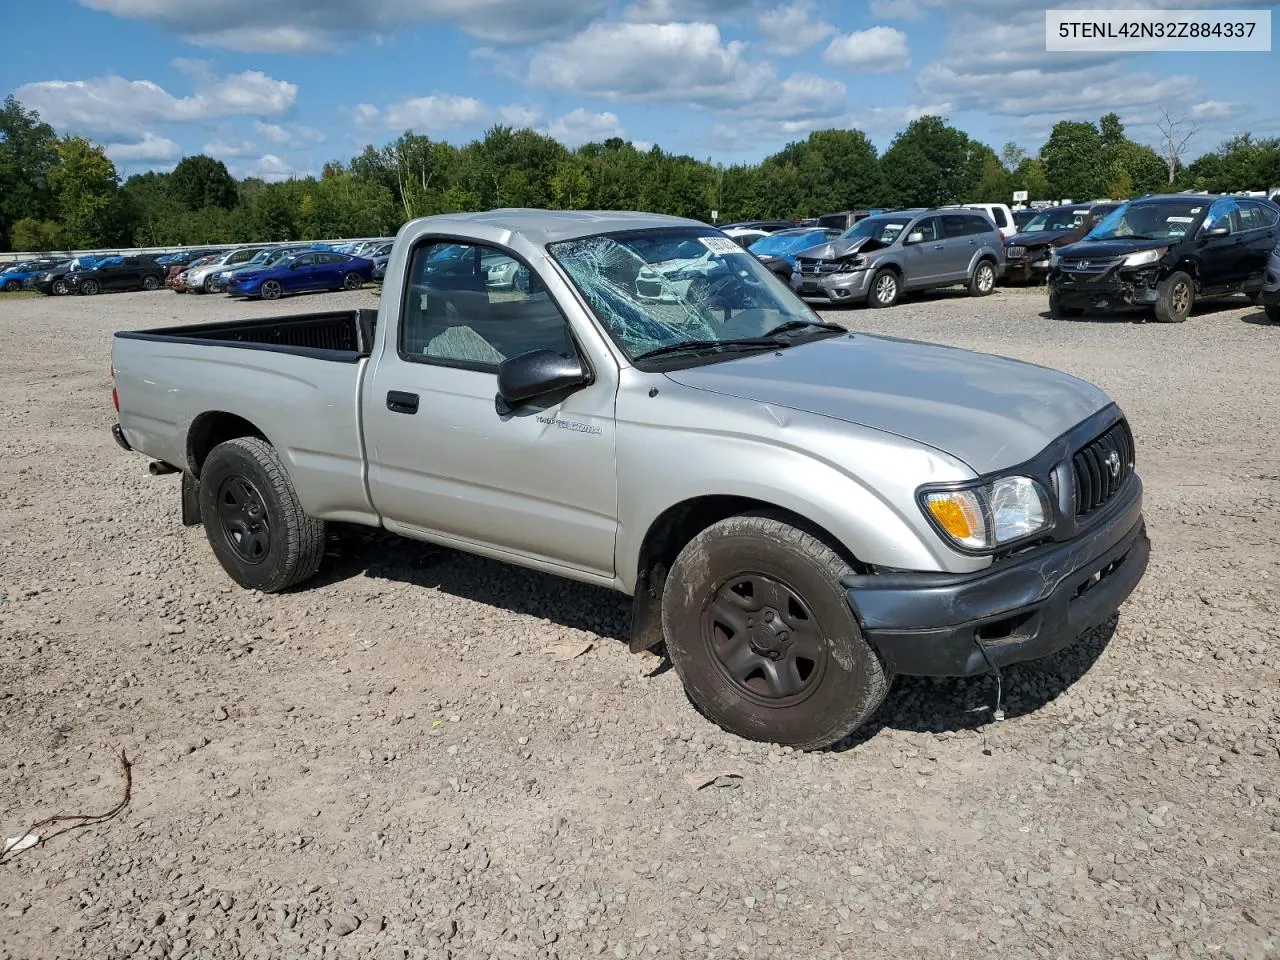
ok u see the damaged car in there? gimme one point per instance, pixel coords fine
(1027, 251)
(882, 257)
(1165, 253)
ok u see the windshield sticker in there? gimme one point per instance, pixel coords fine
(1079, 213)
(720, 245)
(1181, 219)
(1195, 209)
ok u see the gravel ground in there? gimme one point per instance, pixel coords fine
(389, 763)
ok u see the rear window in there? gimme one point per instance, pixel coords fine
(997, 214)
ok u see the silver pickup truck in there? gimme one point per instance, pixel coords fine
(799, 513)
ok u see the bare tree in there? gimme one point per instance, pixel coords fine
(1175, 133)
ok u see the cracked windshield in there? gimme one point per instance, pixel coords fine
(664, 291)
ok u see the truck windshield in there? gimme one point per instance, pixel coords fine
(1153, 220)
(658, 289)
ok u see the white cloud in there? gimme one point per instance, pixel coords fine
(229, 149)
(298, 26)
(439, 111)
(789, 31)
(578, 127)
(294, 137)
(1213, 110)
(113, 104)
(518, 116)
(665, 11)
(877, 50)
(151, 148)
(758, 133)
(271, 168)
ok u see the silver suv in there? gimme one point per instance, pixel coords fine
(882, 257)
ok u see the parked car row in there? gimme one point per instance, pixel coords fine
(272, 272)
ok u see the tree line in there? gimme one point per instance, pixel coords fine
(63, 192)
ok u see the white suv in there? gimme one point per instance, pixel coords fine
(1000, 215)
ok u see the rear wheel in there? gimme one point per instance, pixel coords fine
(352, 281)
(763, 638)
(271, 290)
(983, 280)
(886, 288)
(150, 283)
(1174, 298)
(90, 287)
(253, 519)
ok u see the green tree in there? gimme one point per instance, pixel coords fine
(199, 181)
(28, 151)
(993, 182)
(1074, 161)
(931, 163)
(30, 234)
(1121, 186)
(1012, 156)
(1030, 176)
(84, 182)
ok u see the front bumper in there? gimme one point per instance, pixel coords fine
(835, 287)
(1032, 265)
(1111, 288)
(1021, 608)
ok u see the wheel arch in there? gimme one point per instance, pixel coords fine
(212, 428)
(671, 531)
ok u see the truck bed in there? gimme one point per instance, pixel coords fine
(343, 335)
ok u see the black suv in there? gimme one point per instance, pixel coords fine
(1166, 252)
(125, 273)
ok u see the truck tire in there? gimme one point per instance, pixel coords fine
(1273, 312)
(885, 290)
(1174, 297)
(253, 519)
(983, 280)
(760, 632)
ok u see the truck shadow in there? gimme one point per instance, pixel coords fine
(357, 551)
(1208, 308)
(914, 704)
(946, 705)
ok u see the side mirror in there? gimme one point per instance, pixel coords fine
(1217, 231)
(916, 237)
(536, 374)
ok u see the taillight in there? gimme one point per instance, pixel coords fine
(115, 396)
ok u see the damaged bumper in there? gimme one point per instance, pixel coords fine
(1026, 263)
(836, 287)
(1021, 608)
(1103, 284)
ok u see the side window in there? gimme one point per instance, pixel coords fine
(997, 214)
(954, 225)
(928, 229)
(474, 306)
(1268, 214)
(1223, 213)
(978, 225)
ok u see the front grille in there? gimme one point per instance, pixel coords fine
(1086, 265)
(1102, 467)
(813, 268)
(1015, 253)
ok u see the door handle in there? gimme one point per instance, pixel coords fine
(973, 243)
(400, 402)
(938, 246)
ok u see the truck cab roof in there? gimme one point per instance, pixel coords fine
(550, 226)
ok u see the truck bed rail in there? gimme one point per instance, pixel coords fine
(334, 335)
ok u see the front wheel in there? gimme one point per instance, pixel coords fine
(208, 284)
(886, 288)
(1060, 311)
(1174, 298)
(983, 280)
(271, 290)
(12, 286)
(352, 281)
(253, 519)
(1273, 312)
(763, 638)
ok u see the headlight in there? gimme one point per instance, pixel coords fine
(990, 516)
(1144, 257)
(1053, 257)
(851, 266)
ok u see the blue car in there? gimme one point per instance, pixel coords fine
(302, 272)
(778, 250)
(15, 276)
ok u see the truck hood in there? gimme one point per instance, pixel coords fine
(990, 412)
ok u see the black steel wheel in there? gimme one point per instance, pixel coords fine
(253, 519)
(761, 634)
(352, 281)
(271, 290)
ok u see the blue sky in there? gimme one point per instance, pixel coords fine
(274, 88)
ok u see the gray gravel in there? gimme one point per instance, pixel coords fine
(388, 764)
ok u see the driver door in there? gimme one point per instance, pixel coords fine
(927, 257)
(446, 464)
(1223, 256)
(300, 275)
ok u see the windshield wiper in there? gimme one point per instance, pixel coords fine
(802, 325)
(691, 345)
